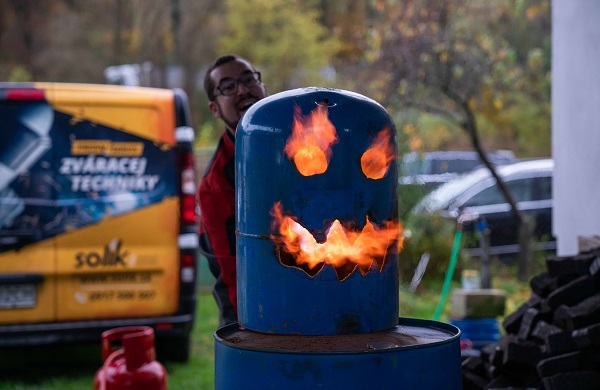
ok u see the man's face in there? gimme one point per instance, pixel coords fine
(231, 108)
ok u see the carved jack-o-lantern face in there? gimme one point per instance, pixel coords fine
(310, 149)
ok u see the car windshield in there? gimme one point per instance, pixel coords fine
(443, 162)
(448, 165)
(441, 197)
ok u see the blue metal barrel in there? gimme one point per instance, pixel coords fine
(479, 331)
(417, 354)
(277, 298)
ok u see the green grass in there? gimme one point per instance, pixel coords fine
(198, 372)
(74, 367)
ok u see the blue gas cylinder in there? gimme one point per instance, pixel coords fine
(277, 296)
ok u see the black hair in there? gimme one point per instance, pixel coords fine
(209, 84)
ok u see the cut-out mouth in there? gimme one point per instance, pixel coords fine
(342, 271)
(344, 248)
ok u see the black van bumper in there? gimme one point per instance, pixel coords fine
(90, 331)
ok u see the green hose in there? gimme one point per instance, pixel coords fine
(449, 273)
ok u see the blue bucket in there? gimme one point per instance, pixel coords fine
(416, 354)
(478, 331)
(275, 296)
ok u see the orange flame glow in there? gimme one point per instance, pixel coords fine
(344, 249)
(376, 160)
(311, 140)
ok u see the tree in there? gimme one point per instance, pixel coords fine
(393, 51)
(449, 59)
(22, 33)
(454, 60)
(283, 37)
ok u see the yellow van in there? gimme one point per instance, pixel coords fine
(97, 214)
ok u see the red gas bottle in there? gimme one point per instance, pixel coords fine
(133, 366)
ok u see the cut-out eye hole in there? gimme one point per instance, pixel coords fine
(310, 144)
(376, 160)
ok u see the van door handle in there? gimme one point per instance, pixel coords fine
(21, 278)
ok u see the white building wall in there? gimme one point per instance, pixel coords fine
(575, 121)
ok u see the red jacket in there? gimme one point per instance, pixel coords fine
(216, 196)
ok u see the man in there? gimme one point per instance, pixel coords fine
(232, 86)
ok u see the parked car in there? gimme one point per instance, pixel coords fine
(432, 169)
(476, 197)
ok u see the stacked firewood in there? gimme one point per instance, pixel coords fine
(552, 341)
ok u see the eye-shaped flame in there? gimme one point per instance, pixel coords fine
(311, 141)
(344, 249)
(376, 160)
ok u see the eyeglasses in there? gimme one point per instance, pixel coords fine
(229, 87)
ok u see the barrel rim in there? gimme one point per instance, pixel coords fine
(452, 330)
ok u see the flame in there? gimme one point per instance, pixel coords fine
(344, 249)
(311, 140)
(376, 160)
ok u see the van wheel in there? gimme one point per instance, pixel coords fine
(175, 349)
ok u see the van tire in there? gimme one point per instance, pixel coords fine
(174, 349)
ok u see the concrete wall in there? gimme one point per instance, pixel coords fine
(575, 121)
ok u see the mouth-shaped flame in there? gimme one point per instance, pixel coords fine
(376, 160)
(311, 141)
(344, 249)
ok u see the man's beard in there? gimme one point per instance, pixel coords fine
(230, 124)
(233, 124)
